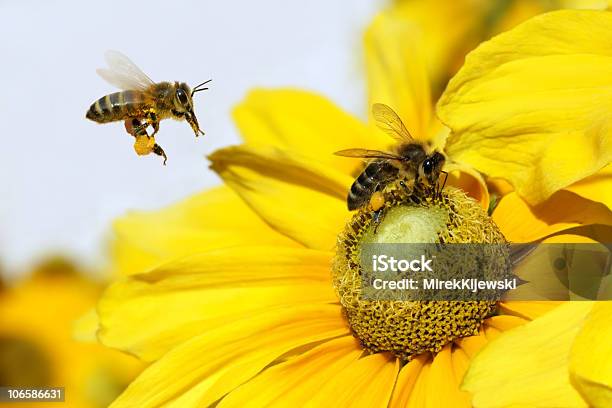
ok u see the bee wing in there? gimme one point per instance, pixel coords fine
(390, 122)
(367, 154)
(123, 73)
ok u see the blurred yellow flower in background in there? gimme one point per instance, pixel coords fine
(230, 294)
(37, 349)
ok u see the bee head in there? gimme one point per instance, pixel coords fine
(182, 98)
(183, 103)
(431, 168)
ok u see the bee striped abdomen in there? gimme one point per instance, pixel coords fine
(374, 176)
(116, 106)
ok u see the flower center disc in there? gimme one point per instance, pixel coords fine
(410, 328)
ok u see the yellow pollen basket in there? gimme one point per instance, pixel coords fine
(144, 144)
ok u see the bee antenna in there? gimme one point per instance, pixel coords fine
(198, 89)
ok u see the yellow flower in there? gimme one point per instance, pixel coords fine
(37, 349)
(232, 298)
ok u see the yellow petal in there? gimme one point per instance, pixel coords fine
(367, 382)
(473, 344)
(418, 395)
(442, 383)
(563, 238)
(527, 366)
(505, 322)
(529, 310)
(208, 290)
(300, 198)
(461, 362)
(589, 233)
(301, 122)
(523, 103)
(518, 11)
(397, 74)
(491, 333)
(445, 32)
(498, 186)
(85, 327)
(520, 222)
(585, 4)
(213, 219)
(468, 180)
(294, 382)
(406, 380)
(224, 358)
(597, 187)
(591, 354)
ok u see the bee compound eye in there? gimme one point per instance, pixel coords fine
(182, 96)
(428, 166)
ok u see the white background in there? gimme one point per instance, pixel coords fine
(63, 179)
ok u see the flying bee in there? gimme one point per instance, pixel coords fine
(143, 100)
(409, 160)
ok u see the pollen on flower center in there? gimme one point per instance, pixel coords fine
(410, 328)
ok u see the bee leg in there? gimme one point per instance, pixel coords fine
(160, 152)
(443, 183)
(422, 187)
(155, 126)
(138, 129)
(150, 120)
(378, 217)
(135, 127)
